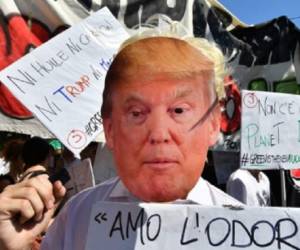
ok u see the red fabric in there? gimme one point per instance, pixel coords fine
(40, 30)
(231, 124)
(16, 39)
(295, 173)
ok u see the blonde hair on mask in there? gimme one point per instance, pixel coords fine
(174, 29)
(135, 51)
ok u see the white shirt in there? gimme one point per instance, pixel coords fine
(243, 186)
(69, 230)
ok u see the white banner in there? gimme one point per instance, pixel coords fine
(165, 226)
(270, 133)
(61, 82)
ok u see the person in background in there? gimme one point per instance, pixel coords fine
(57, 156)
(4, 166)
(37, 151)
(32, 201)
(12, 155)
(90, 152)
(104, 166)
(5, 180)
(252, 187)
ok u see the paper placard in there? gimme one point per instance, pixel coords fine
(61, 82)
(270, 133)
(165, 226)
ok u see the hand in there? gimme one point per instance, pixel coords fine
(26, 209)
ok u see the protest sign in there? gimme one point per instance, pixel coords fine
(270, 133)
(180, 226)
(81, 176)
(61, 82)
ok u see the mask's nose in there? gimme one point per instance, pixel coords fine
(159, 128)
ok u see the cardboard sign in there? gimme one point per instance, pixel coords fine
(178, 226)
(270, 134)
(61, 82)
(81, 176)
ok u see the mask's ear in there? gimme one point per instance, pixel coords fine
(108, 132)
(214, 126)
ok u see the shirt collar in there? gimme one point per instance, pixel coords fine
(120, 191)
(201, 193)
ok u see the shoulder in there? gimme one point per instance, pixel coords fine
(221, 198)
(264, 177)
(98, 193)
(236, 186)
(239, 173)
(239, 177)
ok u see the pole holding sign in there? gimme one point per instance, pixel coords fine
(61, 81)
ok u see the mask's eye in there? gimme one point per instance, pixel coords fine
(178, 110)
(136, 115)
(181, 112)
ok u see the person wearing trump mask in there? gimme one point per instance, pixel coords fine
(160, 115)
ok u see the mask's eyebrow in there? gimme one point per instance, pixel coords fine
(180, 93)
(134, 98)
(201, 79)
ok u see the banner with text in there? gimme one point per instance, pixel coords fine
(178, 226)
(270, 134)
(62, 81)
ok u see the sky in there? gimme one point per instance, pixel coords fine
(258, 11)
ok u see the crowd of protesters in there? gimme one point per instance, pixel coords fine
(21, 158)
(251, 187)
